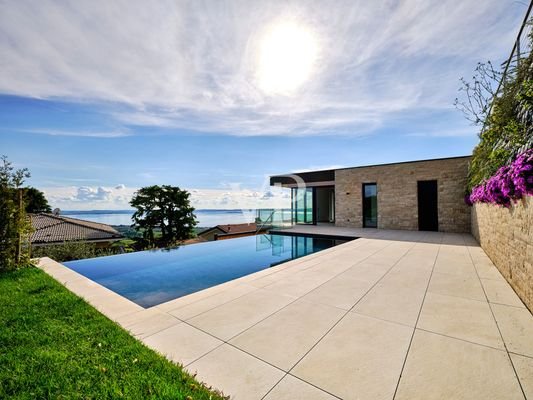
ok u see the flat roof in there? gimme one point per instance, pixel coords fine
(329, 174)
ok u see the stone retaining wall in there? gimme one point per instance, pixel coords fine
(506, 235)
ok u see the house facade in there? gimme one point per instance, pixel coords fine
(417, 195)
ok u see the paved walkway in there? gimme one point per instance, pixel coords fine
(406, 316)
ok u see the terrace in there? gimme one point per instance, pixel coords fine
(392, 315)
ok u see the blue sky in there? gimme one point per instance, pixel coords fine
(99, 99)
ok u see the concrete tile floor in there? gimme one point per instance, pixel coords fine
(393, 315)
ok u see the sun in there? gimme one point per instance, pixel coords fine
(288, 53)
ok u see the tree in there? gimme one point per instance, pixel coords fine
(35, 201)
(479, 93)
(14, 225)
(166, 208)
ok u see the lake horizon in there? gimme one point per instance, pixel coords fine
(205, 217)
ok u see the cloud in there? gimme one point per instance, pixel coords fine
(55, 132)
(118, 198)
(86, 194)
(194, 65)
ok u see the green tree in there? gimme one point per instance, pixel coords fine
(164, 208)
(14, 224)
(36, 201)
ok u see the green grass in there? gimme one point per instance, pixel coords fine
(53, 345)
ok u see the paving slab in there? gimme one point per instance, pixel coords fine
(234, 317)
(193, 309)
(392, 302)
(500, 292)
(461, 318)
(524, 369)
(468, 287)
(361, 358)
(234, 372)
(516, 326)
(148, 322)
(291, 388)
(341, 292)
(440, 367)
(182, 343)
(285, 337)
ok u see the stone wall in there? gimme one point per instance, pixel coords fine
(397, 194)
(506, 235)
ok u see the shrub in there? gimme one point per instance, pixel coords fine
(509, 184)
(67, 251)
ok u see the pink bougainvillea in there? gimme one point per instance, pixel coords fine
(509, 184)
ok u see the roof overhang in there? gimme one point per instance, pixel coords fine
(314, 178)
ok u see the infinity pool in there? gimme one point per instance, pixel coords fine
(153, 277)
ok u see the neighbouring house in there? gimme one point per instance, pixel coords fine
(51, 229)
(228, 231)
(415, 195)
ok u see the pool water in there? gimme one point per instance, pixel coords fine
(153, 277)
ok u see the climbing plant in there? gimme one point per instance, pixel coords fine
(505, 115)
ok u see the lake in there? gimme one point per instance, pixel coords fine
(206, 218)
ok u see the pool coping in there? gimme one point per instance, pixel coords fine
(116, 307)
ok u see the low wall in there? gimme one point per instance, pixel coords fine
(506, 235)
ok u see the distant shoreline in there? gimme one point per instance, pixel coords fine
(204, 210)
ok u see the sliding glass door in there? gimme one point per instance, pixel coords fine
(302, 205)
(370, 205)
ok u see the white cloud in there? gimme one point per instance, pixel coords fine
(193, 65)
(118, 198)
(57, 132)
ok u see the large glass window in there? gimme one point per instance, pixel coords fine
(302, 205)
(370, 205)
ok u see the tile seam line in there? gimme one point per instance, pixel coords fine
(234, 336)
(498, 327)
(522, 355)
(417, 319)
(349, 311)
(480, 301)
(265, 288)
(249, 283)
(227, 341)
(303, 380)
(255, 289)
(285, 373)
(462, 340)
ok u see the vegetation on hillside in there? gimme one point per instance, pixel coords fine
(15, 227)
(505, 116)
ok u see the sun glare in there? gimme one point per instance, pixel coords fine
(288, 52)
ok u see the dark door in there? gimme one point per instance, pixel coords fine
(370, 205)
(428, 213)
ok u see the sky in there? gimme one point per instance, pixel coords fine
(100, 98)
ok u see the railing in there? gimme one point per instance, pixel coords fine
(268, 218)
(519, 66)
(521, 50)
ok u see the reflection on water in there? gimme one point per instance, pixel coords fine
(152, 277)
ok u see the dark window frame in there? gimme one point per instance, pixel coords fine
(363, 186)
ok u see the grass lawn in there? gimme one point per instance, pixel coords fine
(54, 345)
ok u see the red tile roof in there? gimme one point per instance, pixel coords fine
(49, 228)
(233, 228)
